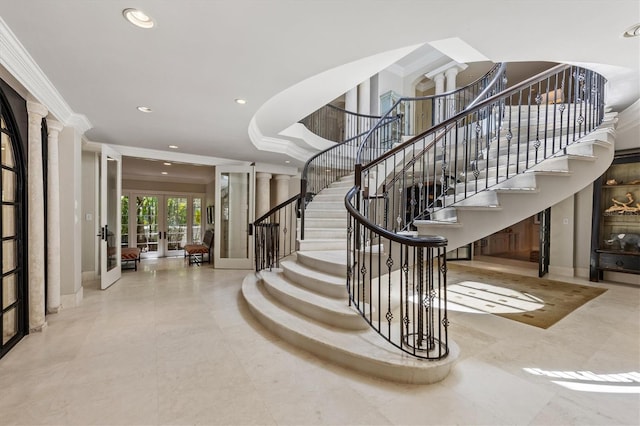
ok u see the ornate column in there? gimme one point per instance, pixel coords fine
(53, 218)
(35, 220)
(351, 105)
(263, 193)
(364, 101)
(364, 97)
(282, 188)
(439, 107)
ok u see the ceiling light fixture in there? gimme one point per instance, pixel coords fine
(287, 161)
(138, 18)
(165, 173)
(144, 109)
(241, 101)
(633, 31)
(173, 146)
(167, 164)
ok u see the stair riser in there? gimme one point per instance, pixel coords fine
(326, 205)
(317, 285)
(317, 233)
(347, 321)
(324, 222)
(312, 245)
(323, 265)
(410, 371)
(325, 214)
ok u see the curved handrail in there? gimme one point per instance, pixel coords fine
(496, 73)
(337, 124)
(275, 233)
(338, 161)
(492, 140)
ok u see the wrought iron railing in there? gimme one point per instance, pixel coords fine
(338, 161)
(502, 136)
(337, 124)
(397, 281)
(276, 233)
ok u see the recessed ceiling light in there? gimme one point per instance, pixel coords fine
(173, 146)
(287, 161)
(166, 164)
(138, 18)
(144, 109)
(633, 31)
(241, 101)
(165, 173)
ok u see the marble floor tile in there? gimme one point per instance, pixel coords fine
(176, 344)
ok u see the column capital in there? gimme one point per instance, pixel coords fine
(452, 72)
(36, 108)
(263, 175)
(54, 125)
(282, 177)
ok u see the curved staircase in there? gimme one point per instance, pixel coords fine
(346, 260)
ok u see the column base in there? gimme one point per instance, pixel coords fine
(53, 310)
(39, 328)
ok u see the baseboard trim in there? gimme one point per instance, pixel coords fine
(72, 300)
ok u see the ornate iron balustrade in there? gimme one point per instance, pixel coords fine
(337, 124)
(398, 281)
(276, 233)
(498, 138)
(338, 161)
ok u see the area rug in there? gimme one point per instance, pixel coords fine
(530, 300)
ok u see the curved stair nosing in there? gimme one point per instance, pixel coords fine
(326, 284)
(356, 351)
(333, 312)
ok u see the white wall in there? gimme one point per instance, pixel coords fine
(628, 128)
(70, 151)
(89, 215)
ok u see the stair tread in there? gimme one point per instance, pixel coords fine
(363, 350)
(330, 279)
(333, 305)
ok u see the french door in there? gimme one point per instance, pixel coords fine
(110, 189)
(161, 224)
(234, 214)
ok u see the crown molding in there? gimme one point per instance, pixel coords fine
(282, 146)
(19, 63)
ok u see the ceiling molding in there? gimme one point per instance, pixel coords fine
(282, 146)
(178, 157)
(15, 58)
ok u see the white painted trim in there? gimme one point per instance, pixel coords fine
(26, 71)
(89, 276)
(154, 154)
(282, 146)
(72, 300)
(565, 271)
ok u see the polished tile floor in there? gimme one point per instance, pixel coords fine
(171, 344)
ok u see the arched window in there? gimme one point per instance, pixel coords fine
(13, 316)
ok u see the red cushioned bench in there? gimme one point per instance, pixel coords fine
(130, 254)
(196, 252)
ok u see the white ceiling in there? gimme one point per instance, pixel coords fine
(205, 53)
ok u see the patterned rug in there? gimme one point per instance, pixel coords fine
(535, 301)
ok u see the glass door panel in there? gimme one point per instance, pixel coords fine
(234, 195)
(110, 207)
(196, 220)
(147, 225)
(124, 221)
(176, 225)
